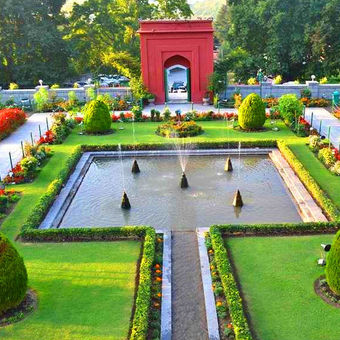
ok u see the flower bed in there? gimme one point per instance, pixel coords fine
(59, 130)
(28, 168)
(328, 155)
(179, 129)
(10, 120)
(154, 331)
(7, 199)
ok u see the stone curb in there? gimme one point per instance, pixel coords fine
(209, 298)
(166, 311)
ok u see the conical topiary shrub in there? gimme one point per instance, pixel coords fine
(13, 276)
(252, 113)
(333, 266)
(97, 117)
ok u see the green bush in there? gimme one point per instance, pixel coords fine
(137, 113)
(333, 266)
(179, 130)
(3, 204)
(41, 98)
(29, 166)
(167, 114)
(13, 276)
(327, 157)
(290, 108)
(252, 113)
(314, 143)
(97, 117)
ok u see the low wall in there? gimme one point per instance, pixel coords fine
(19, 95)
(270, 90)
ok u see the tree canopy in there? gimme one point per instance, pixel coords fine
(294, 38)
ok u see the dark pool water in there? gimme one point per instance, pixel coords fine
(158, 201)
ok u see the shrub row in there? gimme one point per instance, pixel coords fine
(39, 211)
(325, 203)
(232, 294)
(140, 321)
(170, 146)
(230, 287)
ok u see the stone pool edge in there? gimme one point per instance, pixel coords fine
(209, 298)
(62, 201)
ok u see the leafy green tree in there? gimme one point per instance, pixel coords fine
(31, 44)
(294, 38)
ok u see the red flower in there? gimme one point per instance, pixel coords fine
(10, 120)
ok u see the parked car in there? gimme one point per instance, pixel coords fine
(178, 86)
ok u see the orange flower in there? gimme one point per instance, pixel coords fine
(156, 304)
(159, 240)
(159, 295)
(219, 303)
(158, 271)
(211, 251)
(230, 326)
(158, 279)
(157, 266)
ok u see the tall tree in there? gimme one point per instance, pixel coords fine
(294, 38)
(31, 43)
(101, 31)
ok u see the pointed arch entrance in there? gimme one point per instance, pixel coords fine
(177, 79)
(167, 43)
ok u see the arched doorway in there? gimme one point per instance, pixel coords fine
(177, 79)
(187, 43)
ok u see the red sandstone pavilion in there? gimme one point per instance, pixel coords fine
(183, 43)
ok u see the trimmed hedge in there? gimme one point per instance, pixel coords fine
(333, 266)
(140, 321)
(232, 295)
(230, 287)
(247, 143)
(324, 201)
(13, 276)
(40, 210)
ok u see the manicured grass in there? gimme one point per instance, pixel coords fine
(213, 131)
(326, 180)
(277, 276)
(85, 290)
(64, 297)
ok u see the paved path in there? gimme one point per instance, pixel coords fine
(325, 123)
(23, 133)
(189, 319)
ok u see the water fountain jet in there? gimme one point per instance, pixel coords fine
(135, 167)
(238, 202)
(184, 181)
(125, 202)
(228, 165)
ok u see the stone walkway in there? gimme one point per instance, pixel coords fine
(12, 143)
(325, 123)
(189, 317)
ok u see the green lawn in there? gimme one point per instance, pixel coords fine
(326, 180)
(85, 290)
(277, 276)
(40, 256)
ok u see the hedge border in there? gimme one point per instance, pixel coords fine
(309, 182)
(224, 266)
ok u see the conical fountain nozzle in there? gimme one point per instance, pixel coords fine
(184, 181)
(125, 202)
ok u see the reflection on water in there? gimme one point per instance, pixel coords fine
(157, 199)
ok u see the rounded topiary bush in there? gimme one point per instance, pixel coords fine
(252, 113)
(97, 117)
(290, 108)
(13, 276)
(333, 266)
